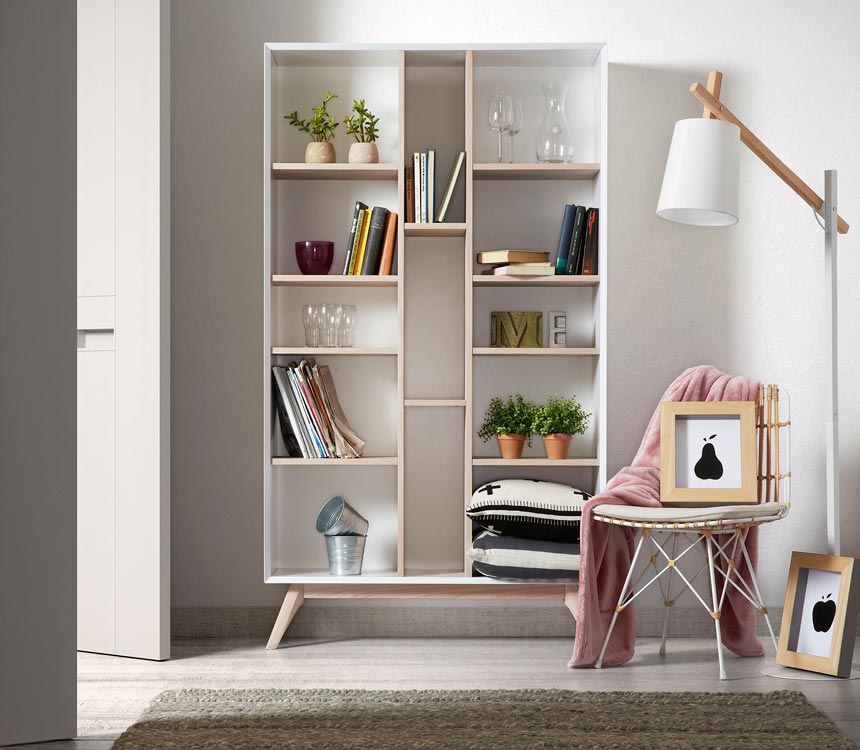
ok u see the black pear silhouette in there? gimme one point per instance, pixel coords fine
(708, 466)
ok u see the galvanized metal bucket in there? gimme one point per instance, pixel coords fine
(337, 518)
(345, 554)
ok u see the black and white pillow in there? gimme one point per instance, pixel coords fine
(524, 559)
(529, 509)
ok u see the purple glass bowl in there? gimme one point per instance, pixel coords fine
(314, 256)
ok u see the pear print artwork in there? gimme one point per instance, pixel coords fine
(709, 466)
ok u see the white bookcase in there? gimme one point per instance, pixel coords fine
(418, 381)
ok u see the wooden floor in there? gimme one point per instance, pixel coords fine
(113, 691)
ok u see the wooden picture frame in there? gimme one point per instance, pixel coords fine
(818, 629)
(728, 477)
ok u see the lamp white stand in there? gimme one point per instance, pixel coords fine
(700, 187)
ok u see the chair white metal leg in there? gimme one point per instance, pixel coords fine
(761, 605)
(715, 613)
(619, 607)
(667, 601)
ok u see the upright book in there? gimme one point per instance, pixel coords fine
(375, 236)
(418, 187)
(564, 240)
(409, 208)
(356, 215)
(452, 183)
(423, 182)
(574, 255)
(388, 243)
(431, 185)
(589, 257)
(361, 243)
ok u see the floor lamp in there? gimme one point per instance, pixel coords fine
(700, 187)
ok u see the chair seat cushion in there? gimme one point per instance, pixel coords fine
(686, 515)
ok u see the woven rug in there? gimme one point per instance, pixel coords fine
(427, 720)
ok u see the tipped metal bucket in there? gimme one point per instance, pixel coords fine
(345, 554)
(337, 517)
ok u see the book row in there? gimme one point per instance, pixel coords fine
(421, 205)
(371, 244)
(312, 421)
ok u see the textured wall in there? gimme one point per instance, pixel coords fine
(748, 298)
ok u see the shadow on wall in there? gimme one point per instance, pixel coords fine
(671, 291)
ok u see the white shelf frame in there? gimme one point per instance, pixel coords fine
(594, 55)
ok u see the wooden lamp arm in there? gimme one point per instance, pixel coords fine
(717, 110)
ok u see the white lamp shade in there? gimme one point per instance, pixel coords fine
(700, 185)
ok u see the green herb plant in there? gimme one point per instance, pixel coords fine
(320, 125)
(563, 416)
(511, 416)
(362, 125)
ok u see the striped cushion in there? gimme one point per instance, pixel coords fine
(529, 509)
(524, 559)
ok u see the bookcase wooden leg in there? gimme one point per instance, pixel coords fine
(571, 599)
(294, 599)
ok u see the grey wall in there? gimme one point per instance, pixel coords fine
(747, 299)
(38, 668)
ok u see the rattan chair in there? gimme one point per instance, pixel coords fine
(676, 534)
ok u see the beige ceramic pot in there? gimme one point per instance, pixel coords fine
(511, 445)
(557, 445)
(319, 153)
(363, 153)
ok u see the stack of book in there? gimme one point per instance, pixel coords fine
(516, 263)
(577, 245)
(370, 248)
(312, 421)
(421, 205)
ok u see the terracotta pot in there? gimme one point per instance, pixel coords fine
(511, 445)
(557, 445)
(363, 153)
(319, 153)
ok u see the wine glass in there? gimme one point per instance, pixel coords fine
(347, 326)
(515, 125)
(499, 117)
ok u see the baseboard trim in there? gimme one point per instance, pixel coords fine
(393, 621)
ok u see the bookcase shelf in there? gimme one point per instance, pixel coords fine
(442, 229)
(535, 462)
(535, 171)
(351, 462)
(496, 281)
(417, 387)
(302, 171)
(353, 351)
(332, 280)
(542, 352)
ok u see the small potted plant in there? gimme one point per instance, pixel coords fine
(558, 421)
(509, 420)
(320, 127)
(362, 125)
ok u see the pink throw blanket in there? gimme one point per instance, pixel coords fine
(607, 549)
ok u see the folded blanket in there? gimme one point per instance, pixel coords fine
(607, 549)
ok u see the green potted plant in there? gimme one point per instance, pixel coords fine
(510, 421)
(362, 126)
(320, 127)
(558, 421)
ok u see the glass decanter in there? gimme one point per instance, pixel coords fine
(555, 139)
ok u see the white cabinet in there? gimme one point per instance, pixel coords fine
(123, 327)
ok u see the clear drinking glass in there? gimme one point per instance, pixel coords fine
(515, 125)
(347, 326)
(309, 320)
(322, 323)
(499, 116)
(332, 323)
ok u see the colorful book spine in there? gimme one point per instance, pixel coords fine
(423, 159)
(409, 208)
(564, 239)
(375, 236)
(362, 243)
(589, 256)
(416, 178)
(456, 169)
(574, 256)
(356, 215)
(387, 260)
(431, 185)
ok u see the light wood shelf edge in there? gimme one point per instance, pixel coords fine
(284, 280)
(535, 462)
(443, 229)
(568, 281)
(302, 171)
(494, 171)
(541, 352)
(434, 402)
(363, 461)
(355, 351)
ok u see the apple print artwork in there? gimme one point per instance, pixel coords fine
(709, 466)
(823, 614)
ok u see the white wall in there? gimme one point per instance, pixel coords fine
(747, 299)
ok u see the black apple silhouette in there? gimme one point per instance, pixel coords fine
(708, 466)
(823, 614)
